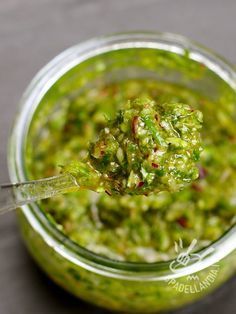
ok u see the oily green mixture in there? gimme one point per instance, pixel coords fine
(147, 148)
(136, 227)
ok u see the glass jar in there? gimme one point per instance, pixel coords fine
(120, 286)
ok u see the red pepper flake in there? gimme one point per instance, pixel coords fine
(104, 92)
(155, 165)
(114, 90)
(157, 117)
(67, 128)
(134, 124)
(232, 138)
(140, 184)
(202, 66)
(196, 187)
(155, 149)
(202, 172)
(108, 192)
(102, 152)
(182, 221)
(202, 102)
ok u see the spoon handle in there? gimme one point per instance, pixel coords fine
(18, 194)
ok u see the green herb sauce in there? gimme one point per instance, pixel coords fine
(147, 148)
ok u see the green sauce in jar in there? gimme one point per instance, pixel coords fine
(136, 227)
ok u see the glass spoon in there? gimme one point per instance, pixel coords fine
(19, 194)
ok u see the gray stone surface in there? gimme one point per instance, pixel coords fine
(34, 31)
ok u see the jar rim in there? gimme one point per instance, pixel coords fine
(31, 98)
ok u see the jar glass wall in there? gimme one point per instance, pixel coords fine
(116, 285)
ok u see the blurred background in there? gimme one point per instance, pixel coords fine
(34, 31)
